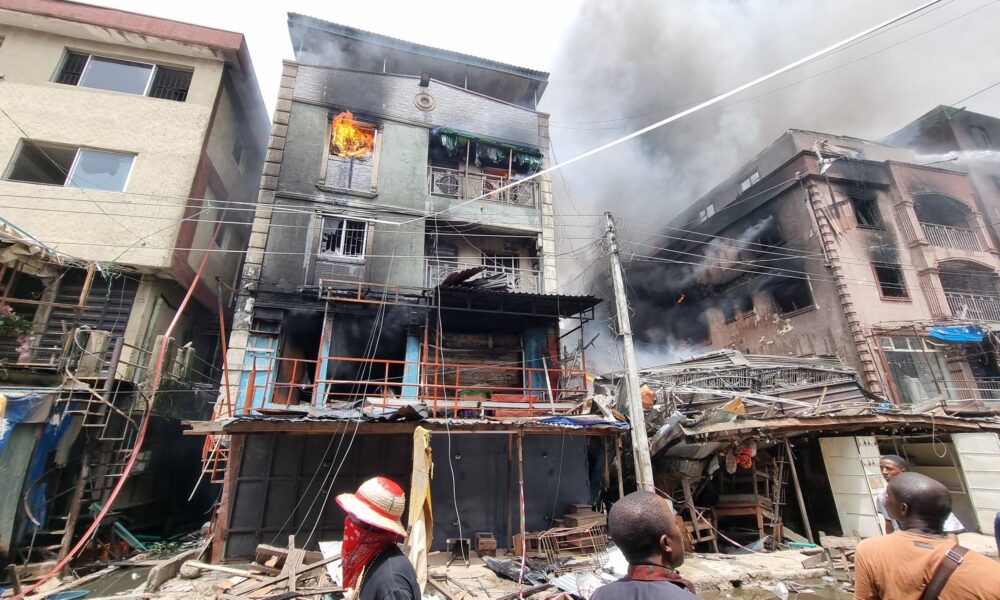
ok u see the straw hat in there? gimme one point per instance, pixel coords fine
(379, 502)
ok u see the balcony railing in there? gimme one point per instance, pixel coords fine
(974, 308)
(453, 389)
(518, 280)
(988, 388)
(456, 184)
(953, 237)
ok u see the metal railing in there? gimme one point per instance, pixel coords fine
(958, 238)
(518, 280)
(446, 388)
(456, 184)
(988, 388)
(974, 308)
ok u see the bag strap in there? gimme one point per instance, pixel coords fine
(945, 568)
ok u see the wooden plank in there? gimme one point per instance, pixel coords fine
(526, 592)
(281, 578)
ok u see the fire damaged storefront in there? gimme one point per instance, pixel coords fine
(767, 452)
(479, 369)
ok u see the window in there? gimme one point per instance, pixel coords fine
(238, 149)
(768, 235)
(866, 211)
(749, 181)
(351, 162)
(980, 136)
(342, 237)
(52, 164)
(790, 295)
(497, 262)
(917, 367)
(707, 212)
(745, 303)
(890, 278)
(130, 77)
(728, 307)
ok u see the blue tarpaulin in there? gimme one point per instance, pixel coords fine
(581, 421)
(24, 408)
(957, 333)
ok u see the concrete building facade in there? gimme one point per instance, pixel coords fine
(401, 267)
(126, 142)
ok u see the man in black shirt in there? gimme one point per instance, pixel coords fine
(374, 568)
(642, 525)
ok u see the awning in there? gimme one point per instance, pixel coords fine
(18, 405)
(449, 139)
(957, 333)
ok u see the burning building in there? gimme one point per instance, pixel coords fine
(829, 246)
(400, 279)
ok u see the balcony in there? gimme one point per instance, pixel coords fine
(974, 308)
(958, 238)
(988, 388)
(466, 186)
(517, 280)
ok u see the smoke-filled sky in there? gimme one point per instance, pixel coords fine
(618, 66)
(645, 60)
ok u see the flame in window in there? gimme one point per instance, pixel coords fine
(350, 138)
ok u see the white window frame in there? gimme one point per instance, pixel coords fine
(76, 159)
(72, 168)
(326, 255)
(748, 183)
(91, 55)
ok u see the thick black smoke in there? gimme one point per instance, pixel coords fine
(627, 64)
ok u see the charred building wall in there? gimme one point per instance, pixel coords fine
(841, 251)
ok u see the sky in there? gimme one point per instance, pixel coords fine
(468, 27)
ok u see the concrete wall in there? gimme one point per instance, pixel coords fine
(816, 331)
(165, 135)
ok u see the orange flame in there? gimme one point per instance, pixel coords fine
(349, 138)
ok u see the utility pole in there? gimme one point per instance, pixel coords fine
(637, 418)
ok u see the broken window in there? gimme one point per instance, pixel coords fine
(917, 367)
(791, 295)
(747, 183)
(342, 237)
(769, 236)
(890, 278)
(54, 164)
(130, 77)
(866, 211)
(745, 303)
(351, 164)
(728, 307)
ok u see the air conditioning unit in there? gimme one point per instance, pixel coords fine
(335, 270)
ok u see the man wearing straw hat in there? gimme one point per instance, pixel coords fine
(373, 565)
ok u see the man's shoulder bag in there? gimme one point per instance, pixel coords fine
(945, 568)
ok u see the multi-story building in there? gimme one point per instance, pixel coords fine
(963, 140)
(131, 149)
(833, 246)
(401, 267)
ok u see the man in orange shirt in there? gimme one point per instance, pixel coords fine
(900, 565)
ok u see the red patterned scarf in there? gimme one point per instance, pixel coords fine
(359, 548)
(653, 573)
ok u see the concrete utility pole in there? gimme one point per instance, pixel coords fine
(637, 418)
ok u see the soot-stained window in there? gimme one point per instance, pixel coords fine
(343, 238)
(891, 281)
(866, 211)
(791, 295)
